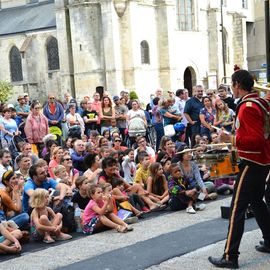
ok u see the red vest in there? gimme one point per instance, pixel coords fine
(250, 141)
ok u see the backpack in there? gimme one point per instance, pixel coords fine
(68, 213)
(136, 127)
(265, 107)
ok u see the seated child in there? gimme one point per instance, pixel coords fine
(120, 195)
(80, 198)
(166, 163)
(156, 184)
(180, 197)
(143, 172)
(9, 241)
(45, 224)
(129, 166)
(97, 215)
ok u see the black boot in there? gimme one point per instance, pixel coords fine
(263, 248)
(223, 263)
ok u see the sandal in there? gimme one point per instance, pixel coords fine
(63, 237)
(48, 241)
(121, 229)
(140, 215)
(129, 228)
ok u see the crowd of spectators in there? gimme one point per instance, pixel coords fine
(107, 161)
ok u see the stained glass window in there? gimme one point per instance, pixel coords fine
(145, 57)
(52, 54)
(15, 61)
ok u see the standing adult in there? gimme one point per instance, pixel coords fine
(90, 118)
(254, 154)
(223, 94)
(75, 122)
(192, 112)
(207, 116)
(54, 112)
(120, 116)
(36, 126)
(8, 126)
(107, 113)
(22, 108)
(157, 121)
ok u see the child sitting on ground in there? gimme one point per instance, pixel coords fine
(45, 224)
(129, 166)
(80, 198)
(156, 184)
(123, 198)
(97, 215)
(9, 241)
(180, 197)
(142, 173)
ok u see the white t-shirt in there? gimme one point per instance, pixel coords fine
(139, 113)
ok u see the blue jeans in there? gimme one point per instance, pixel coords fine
(159, 132)
(22, 220)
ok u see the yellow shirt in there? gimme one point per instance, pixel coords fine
(141, 176)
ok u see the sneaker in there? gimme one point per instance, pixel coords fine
(212, 196)
(200, 207)
(131, 220)
(190, 210)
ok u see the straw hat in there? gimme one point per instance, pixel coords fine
(186, 150)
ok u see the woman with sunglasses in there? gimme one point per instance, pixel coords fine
(66, 161)
(36, 126)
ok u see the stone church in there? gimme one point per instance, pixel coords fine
(76, 45)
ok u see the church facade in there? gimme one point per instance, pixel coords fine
(74, 46)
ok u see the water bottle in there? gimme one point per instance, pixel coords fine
(77, 217)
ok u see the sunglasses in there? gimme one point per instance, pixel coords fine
(117, 140)
(67, 159)
(51, 98)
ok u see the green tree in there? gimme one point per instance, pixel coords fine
(5, 90)
(133, 95)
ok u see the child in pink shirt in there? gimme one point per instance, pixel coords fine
(98, 213)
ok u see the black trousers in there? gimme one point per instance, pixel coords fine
(249, 189)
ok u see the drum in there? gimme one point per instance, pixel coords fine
(223, 167)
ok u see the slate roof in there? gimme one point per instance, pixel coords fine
(31, 17)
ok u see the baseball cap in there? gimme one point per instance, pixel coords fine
(115, 98)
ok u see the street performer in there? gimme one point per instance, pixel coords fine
(253, 147)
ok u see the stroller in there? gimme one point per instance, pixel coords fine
(13, 145)
(136, 127)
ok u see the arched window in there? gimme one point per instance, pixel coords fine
(52, 54)
(15, 62)
(145, 56)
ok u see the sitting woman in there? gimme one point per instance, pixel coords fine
(157, 186)
(73, 173)
(167, 148)
(190, 171)
(11, 207)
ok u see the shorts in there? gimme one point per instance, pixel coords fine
(89, 228)
(35, 235)
(2, 239)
